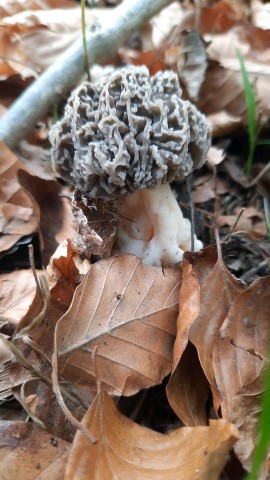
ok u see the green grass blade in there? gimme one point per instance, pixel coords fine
(263, 142)
(264, 431)
(251, 109)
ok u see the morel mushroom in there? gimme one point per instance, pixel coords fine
(127, 138)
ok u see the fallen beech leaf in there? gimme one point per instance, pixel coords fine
(253, 44)
(188, 393)
(207, 187)
(162, 25)
(192, 62)
(36, 158)
(29, 453)
(126, 450)
(239, 360)
(235, 172)
(217, 293)
(228, 95)
(229, 326)
(17, 292)
(250, 221)
(215, 156)
(128, 311)
(19, 214)
(190, 407)
(10, 7)
(26, 382)
(222, 123)
(222, 16)
(206, 294)
(9, 166)
(32, 39)
(36, 353)
(66, 263)
(245, 411)
(153, 59)
(56, 219)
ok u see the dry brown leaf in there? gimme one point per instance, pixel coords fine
(29, 453)
(229, 326)
(222, 16)
(161, 25)
(18, 212)
(37, 159)
(56, 218)
(66, 264)
(215, 156)
(28, 384)
(253, 43)
(11, 7)
(227, 96)
(245, 411)
(121, 281)
(153, 59)
(192, 62)
(188, 393)
(216, 296)
(32, 39)
(17, 292)
(236, 173)
(207, 187)
(223, 123)
(187, 402)
(17, 216)
(203, 308)
(251, 221)
(239, 360)
(128, 311)
(126, 450)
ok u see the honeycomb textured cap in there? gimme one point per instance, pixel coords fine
(129, 132)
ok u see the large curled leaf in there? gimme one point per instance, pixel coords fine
(128, 312)
(126, 450)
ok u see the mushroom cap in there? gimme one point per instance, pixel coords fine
(131, 131)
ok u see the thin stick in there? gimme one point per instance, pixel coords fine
(191, 207)
(61, 77)
(57, 391)
(228, 237)
(85, 51)
(259, 176)
(94, 361)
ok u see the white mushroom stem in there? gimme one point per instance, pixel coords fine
(153, 227)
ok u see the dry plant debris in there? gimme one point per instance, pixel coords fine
(162, 367)
(27, 452)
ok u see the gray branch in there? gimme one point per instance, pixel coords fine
(61, 77)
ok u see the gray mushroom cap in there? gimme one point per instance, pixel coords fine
(129, 132)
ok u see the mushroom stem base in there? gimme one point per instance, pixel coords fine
(153, 227)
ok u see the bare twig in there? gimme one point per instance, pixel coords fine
(259, 176)
(228, 237)
(191, 207)
(57, 391)
(250, 273)
(61, 77)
